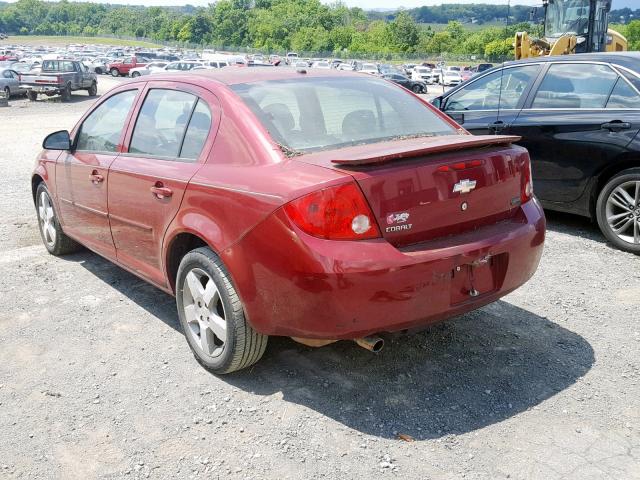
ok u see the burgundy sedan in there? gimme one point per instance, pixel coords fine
(320, 206)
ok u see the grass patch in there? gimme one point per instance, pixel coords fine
(63, 41)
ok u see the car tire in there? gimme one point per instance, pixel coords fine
(135, 74)
(115, 72)
(93, 90)
(32, 96)
(203, 278)
(416, 89)
(66, 94)
(7, 93)
(618, 210)
(54, 239)
(98, 71)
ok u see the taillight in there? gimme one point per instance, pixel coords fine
(526, 190)
(335, 213)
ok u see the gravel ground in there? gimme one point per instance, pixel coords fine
(97, 382)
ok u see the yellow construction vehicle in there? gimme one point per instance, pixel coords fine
(572, 26)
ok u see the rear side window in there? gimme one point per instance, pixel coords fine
(575, 85)
(312, 114)
(623, 96)
(197, 132)
(101, 130)
(162, 122)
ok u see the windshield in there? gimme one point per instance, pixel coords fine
(567, 16)
(313, 114)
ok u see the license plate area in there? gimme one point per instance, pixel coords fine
(474, 280)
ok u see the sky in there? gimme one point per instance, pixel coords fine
(371, 4)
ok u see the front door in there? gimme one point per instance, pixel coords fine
(580, 118)
(490, 103)
(146, 184)
(82, 174)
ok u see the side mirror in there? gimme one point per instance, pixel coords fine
(437, 102)
(57, 141)
(457, 117)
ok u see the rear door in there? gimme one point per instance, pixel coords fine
(491, 103)
(167, 144)
(580, 117)
(82, 175)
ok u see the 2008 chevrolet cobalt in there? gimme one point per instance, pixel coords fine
(321, 206)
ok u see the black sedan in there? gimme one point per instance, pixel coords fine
(406, 82)
(579, 117)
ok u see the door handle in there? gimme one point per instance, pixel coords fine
(96, 178)
(496, 127)
(161, 191)
(616, 126)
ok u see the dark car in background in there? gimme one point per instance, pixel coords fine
(414, 85)
(579, 117)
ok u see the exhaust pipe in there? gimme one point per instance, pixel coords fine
(373, 344)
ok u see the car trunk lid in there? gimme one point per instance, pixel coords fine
(421, 189)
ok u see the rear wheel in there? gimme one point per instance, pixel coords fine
(417, 89)
(32, 96)
(618, 210)
(93, 90)
(7, 93)
(115, 72)
(54, 239)
(212, 317)
(66, 94)
(98, 71)
(135, 74)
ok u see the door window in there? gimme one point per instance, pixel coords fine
(101, 130)
(623, 96)
(162, 122)
(575, 85)
(500, 89)
(197, 132)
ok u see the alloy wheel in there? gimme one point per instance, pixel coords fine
(204, 312)
(623, 211)
(47, 219)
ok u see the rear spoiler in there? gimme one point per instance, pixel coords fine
(418, 147)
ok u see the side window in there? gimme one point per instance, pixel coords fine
(161, 123)
(197, 132)
(485, 93)
(623, 96)
(6, 74)
(101, 130)
(575, 85)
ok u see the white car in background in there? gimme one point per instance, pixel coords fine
(179, 66)
(425, 74)
(370, 68)
(322, 65)
(147, 69)
(451, 77)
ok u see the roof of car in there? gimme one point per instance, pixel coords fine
(613, 57)
(237, 75)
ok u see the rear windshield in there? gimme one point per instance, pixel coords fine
(313, 114)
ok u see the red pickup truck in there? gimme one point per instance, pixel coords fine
(122, 65)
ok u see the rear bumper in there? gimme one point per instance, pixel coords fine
(43, 88)
(293, 284)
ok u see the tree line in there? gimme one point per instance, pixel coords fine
(276, 26)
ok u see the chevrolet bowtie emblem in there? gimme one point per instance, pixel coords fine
(464, 186)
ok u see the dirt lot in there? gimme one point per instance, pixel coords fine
(97, 382)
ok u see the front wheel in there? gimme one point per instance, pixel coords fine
(618, 210)
(212, 317)
(32, 96)
(98, 71)
(54, 239)
(417, 89)
(135, 74)
(115, 72)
